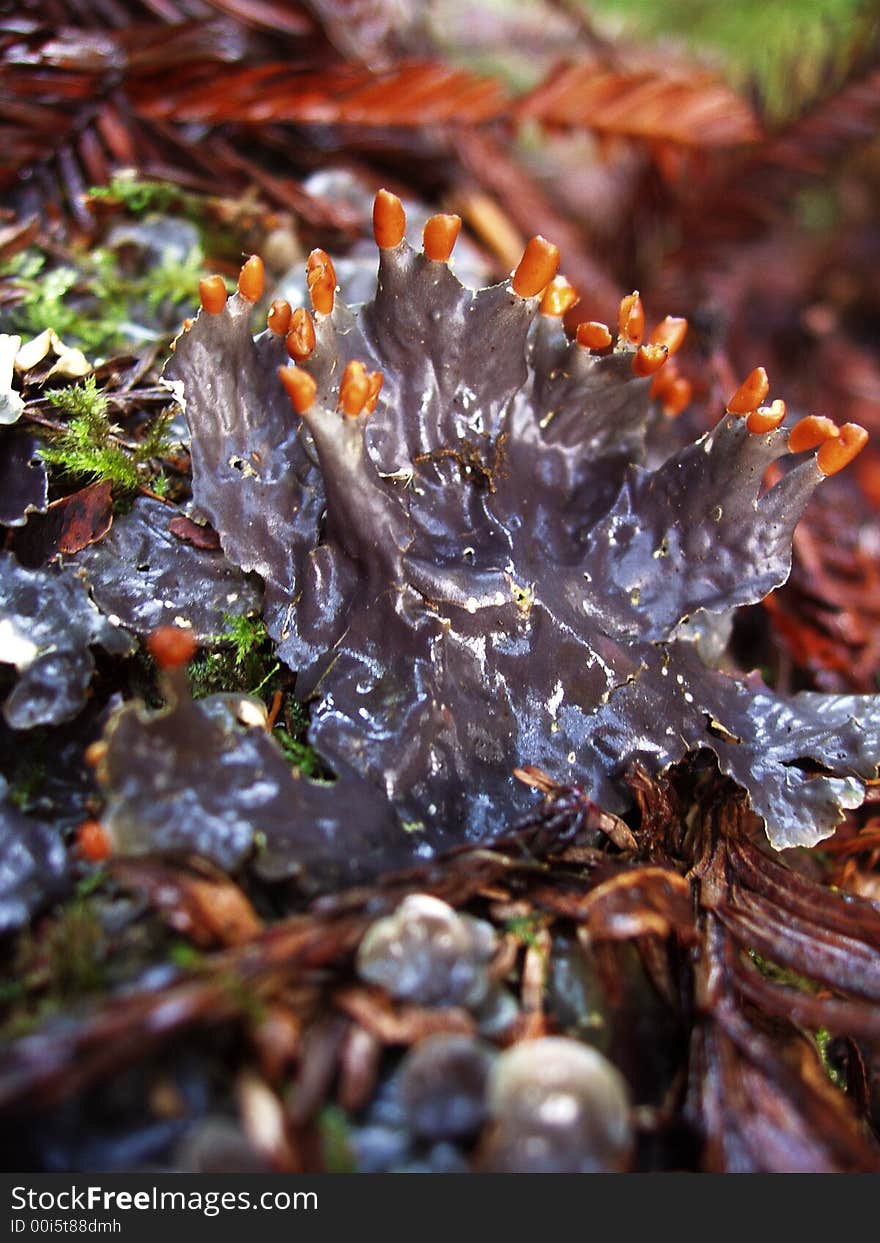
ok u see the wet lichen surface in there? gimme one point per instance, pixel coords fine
(465, 549)
(471, 565)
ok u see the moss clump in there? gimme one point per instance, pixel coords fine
(291, 738)
(92, 302)
(245, 661)
(90, 446)
(138, 196)
(64, 960)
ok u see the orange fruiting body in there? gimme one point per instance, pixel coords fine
(593, 336)
(376, 379)
(631, 318)
(751, 393)
(648, 359)
(301, 338)
(354, 389)
(93, 841)
(321, 280)
(558, 298)
(252, 279)
(278, 319)
(439, 237)
(766, 418)
(835, 454)
(301, 388)
(670, 332)
(171, 647)
(536, 269)
(212, 294)
(389, 220)
(811, 431)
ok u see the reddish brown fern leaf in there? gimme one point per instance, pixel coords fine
(412, 94)
(695, 110)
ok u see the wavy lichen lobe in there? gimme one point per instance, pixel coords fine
(467, 560)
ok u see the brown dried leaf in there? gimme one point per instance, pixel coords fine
(405, 1024)
(200, 535)
(68, 525)
(200, 902)
(640, 901)
(694, 110)
(411, 94)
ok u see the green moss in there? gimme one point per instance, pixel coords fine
(791, 979)
(186, 956)
(90, 447)
(790, 49)
(92, 302)
(832, 1070)
(292, 739)
(526, 928)
(139, 196)
(246, 635)
(782, 975)
(245, 661)
(336, 1151)
(26, 789)
(65, 960)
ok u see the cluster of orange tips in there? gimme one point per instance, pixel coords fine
(837, 446)
(650, 358)
(358, 389)
(670, 388)
(536, 274)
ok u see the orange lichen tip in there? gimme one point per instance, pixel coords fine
(648, 359)
(814, 430)
(559, 297)
(672, 390)
(751, 393)
(835, 454)
(766, 418)
(93, 842)
(593, 336)
(301, 337)
(536, 269)
(376, 379)
(171, 647)
(278, 319)
(321, 279)
(631, 319)
(389, 220)
(670, 332)
(439, 237)
(212, 294)
(677, 397)
(252, 279)
(300, 386)
(354, 389)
